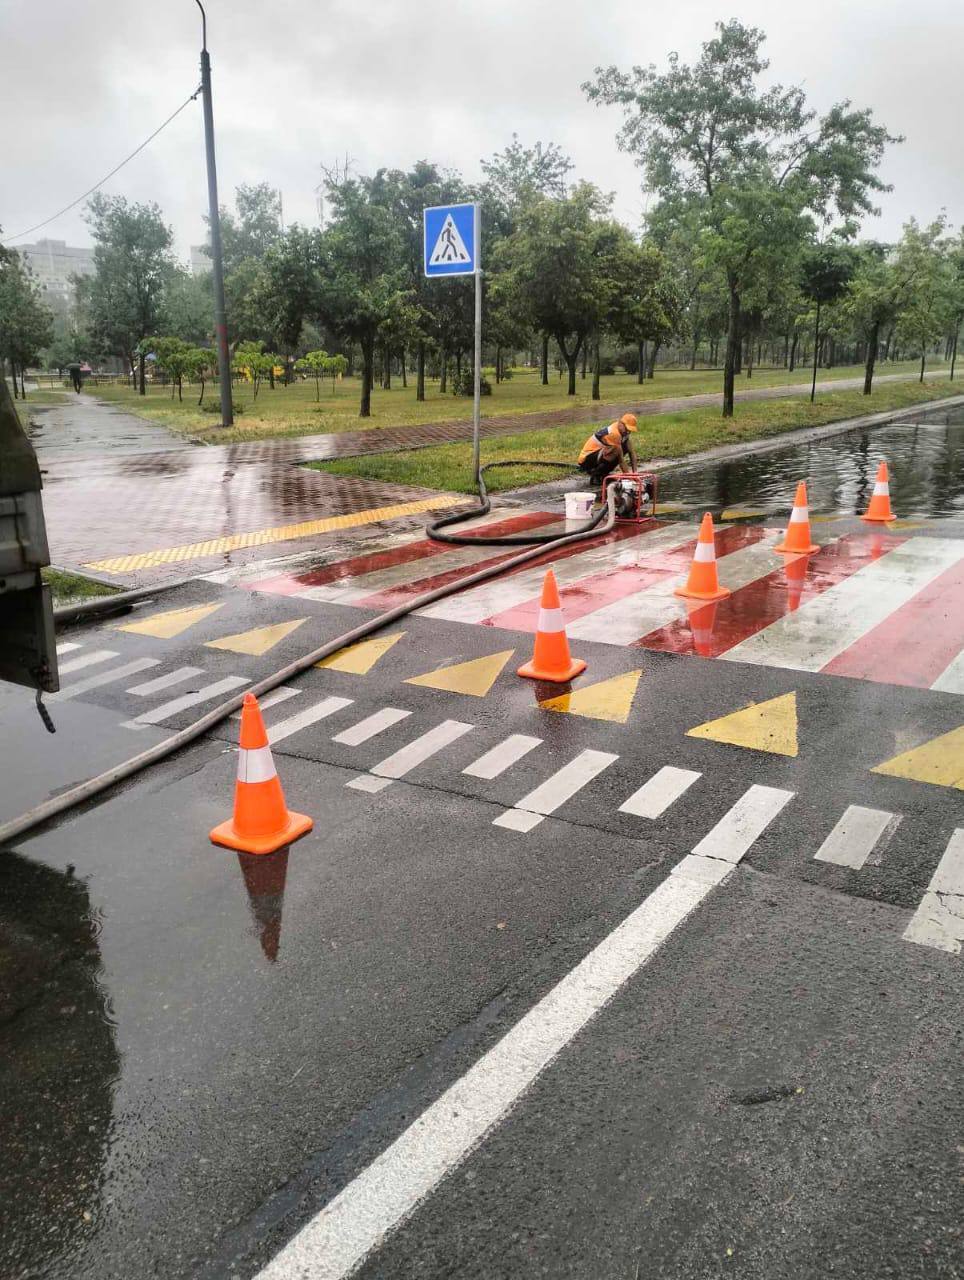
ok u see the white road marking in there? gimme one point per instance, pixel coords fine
(302, 719)
(370, 726)
(939, 920)
(663, 789)
(357, 1220)
(90, 659)
(828, 624)
(506, 593)
(742, 825)
(104, 677)
(853, 838)
(204, 694)
(557, 789)
(164, 682)
(66, 646)
(415, 753)
(951, 680)
(272, 699)
(502, 756)
(634, 616)
(365, 782)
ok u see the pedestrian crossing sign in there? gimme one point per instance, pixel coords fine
(451, 240)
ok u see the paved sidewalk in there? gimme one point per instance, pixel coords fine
(130, 499)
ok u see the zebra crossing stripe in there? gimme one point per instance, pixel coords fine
(939, 920)
(168, 709)
(410, 756)
(370, 726)
(91, 659)
(502, 756)
(555, 791)
(302, 719)
(662, 790)
(164, 682)
(104, 677)
(852, 840)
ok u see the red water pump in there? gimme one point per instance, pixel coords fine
(635, 494)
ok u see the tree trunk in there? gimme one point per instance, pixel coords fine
(271, 376)
(651, 371)
(954, 350)
(595, 370)
(749, 356)
(180, 394)
(201, 396)
(368, 377)
(141, 386)
(585, 355)
(23, 385)
(871, 357)
(498, 365)
(696, 347)
(545, 359)
(420, 376)
(816, 351)
(404, 371)
(732, 352)
(317, 389)
(387, 369)
(458, 365)
(443, 385)
(923, 357)
(13, 378)
(571, 361)
(641, 362)
(793, 351)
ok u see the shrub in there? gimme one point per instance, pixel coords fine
(214, 406)
(462, 384)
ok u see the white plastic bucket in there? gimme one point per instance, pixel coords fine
(578, 506)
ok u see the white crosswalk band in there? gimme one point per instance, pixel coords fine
(743, 824)
(91, 659)
(852, 840)
(302, 719)
(205, 694)
(502, 756)
(66, 646)
(939, 920)
(178, 676)
(415, 753)
(825, 626)
(103, 678)
(662, 790)
(951, 679)
(281, 694)
(370, 726)
(556, 790)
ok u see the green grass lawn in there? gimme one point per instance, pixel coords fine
(72, 588)
(293, 411)
(666, 435)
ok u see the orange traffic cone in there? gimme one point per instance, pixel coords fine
(879, 510)
(797, 537)
(703, 582)
(261, 821)
(551, 659)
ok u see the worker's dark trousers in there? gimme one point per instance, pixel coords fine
(598, 468)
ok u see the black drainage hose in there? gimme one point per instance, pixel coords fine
(485, 506)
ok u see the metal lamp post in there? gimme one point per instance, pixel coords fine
(214, 217)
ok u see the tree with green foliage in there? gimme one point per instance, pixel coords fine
(132, 265)
(875, 295)
(250, 358)
(955, 291)
(286, 290)
(187, 306)
(335, 367)
(200, 364)
(172, 356)
(751, 163)
(253, 228)
(548, 270)
(925, 317)
(826, 271)
(362, 269)
(26, 322)
(315, 364)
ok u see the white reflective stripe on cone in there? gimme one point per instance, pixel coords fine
(705, 553)
(551, 620)
(799, 515)
(255, 765)
(881, 488)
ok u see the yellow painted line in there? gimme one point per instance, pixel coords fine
(262, 537)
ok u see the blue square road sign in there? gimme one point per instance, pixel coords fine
(451, 239)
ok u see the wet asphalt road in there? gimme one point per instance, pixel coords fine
(203, 1048)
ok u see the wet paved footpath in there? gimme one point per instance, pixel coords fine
(128, 499)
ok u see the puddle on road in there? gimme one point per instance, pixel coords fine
(924, 453)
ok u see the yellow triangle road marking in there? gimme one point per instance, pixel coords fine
(743, 513)
(762, 726)
(358, 659)
(940, 762)
(164, 626)
(475, 677)
(610, 699)
(259, 641)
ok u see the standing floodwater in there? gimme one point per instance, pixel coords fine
(925, 454)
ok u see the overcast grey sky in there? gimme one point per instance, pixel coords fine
(298, 82)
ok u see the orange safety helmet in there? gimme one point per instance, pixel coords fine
(629, 421)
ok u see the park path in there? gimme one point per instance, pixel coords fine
(121, 493)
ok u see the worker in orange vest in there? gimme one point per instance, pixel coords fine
(607, 449)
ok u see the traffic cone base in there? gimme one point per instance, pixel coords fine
(703, 582)
(796, 540)
(880, 510)
(551, 659)
(225, 833)
(261, 821)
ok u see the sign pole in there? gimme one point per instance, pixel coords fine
(477, 389)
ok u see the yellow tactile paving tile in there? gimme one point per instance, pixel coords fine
(262, 537)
